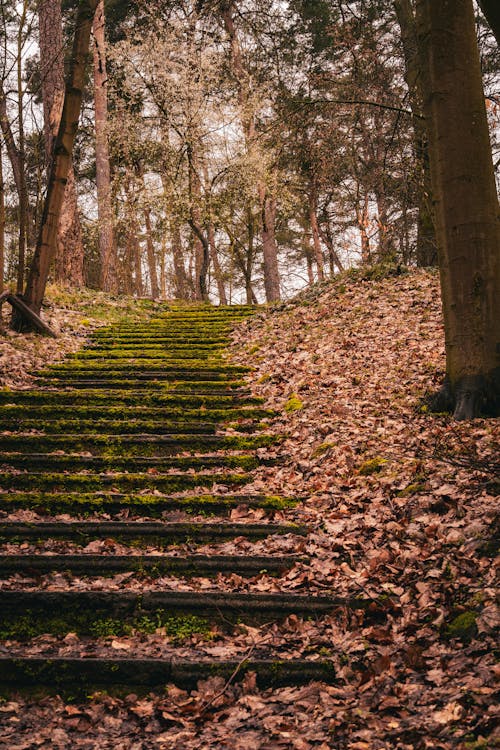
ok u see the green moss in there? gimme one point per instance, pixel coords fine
(411, 489)
(175, 628)
(372, 466)
(293, 404)
(322, 448)
(463, 626)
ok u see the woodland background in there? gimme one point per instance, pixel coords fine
(235, 151)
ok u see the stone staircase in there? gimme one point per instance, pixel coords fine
(142, 444)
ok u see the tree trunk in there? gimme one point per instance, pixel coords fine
(47, 241)
(466, 205)
(491, 10)
(363, 222)
(107, 241)
(269, 247)
(2, 223)
(313, 220)
(201, 247)
(182, 285)
(426, 250)
(70, 254)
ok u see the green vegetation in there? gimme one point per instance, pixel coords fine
(372, 466)
(293, 404)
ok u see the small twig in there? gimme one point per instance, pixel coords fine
(232, 676)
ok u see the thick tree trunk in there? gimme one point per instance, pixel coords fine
(2, 223)
(466, 205)
(70, 254)
(426, 250)
(491, 10)
(107, 242)
(47, 241)
(269, 247)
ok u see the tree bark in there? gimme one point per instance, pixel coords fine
(491, 10)
(2, 223)
(107, 241)
(70, 253)
(426, 250)
(313, 220)
(47, 240)
(466, 205)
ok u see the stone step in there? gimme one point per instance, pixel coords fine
(75, 462)
(109, 426)
(45, 482)
(80, 676)
(147, 565)
(130, 426)
(141, 505)
(162, 373)
(55, 411)
(59, 612)
(194, 367)
(116, 397)
(144, 380)
(131, 445)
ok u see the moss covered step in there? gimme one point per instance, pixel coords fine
(71, 372)
(128, 398)
(100, 411)
(152, 565)
(74, 462)
(125, 426)
(78, 610)
(146, 355)
(81, 676)
(222, 387)
(46, 482)
(195, 368)
(141, 505)
(131, 445)
(132, 341)
(154, 533)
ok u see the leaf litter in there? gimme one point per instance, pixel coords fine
(401, 505)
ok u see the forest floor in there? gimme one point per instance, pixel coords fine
(401, 504)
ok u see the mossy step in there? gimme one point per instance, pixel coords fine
(63, 373)
(163, 354)
(142, 380)
(131, 445)
(46, 482)
(143, 505)
(194, 369)
(77, 610)
(114, 340)
(157, 533)
(61, 411)
(74, 462)
(153, 565)
(127, 397)
(82, 676)
(106, 426)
